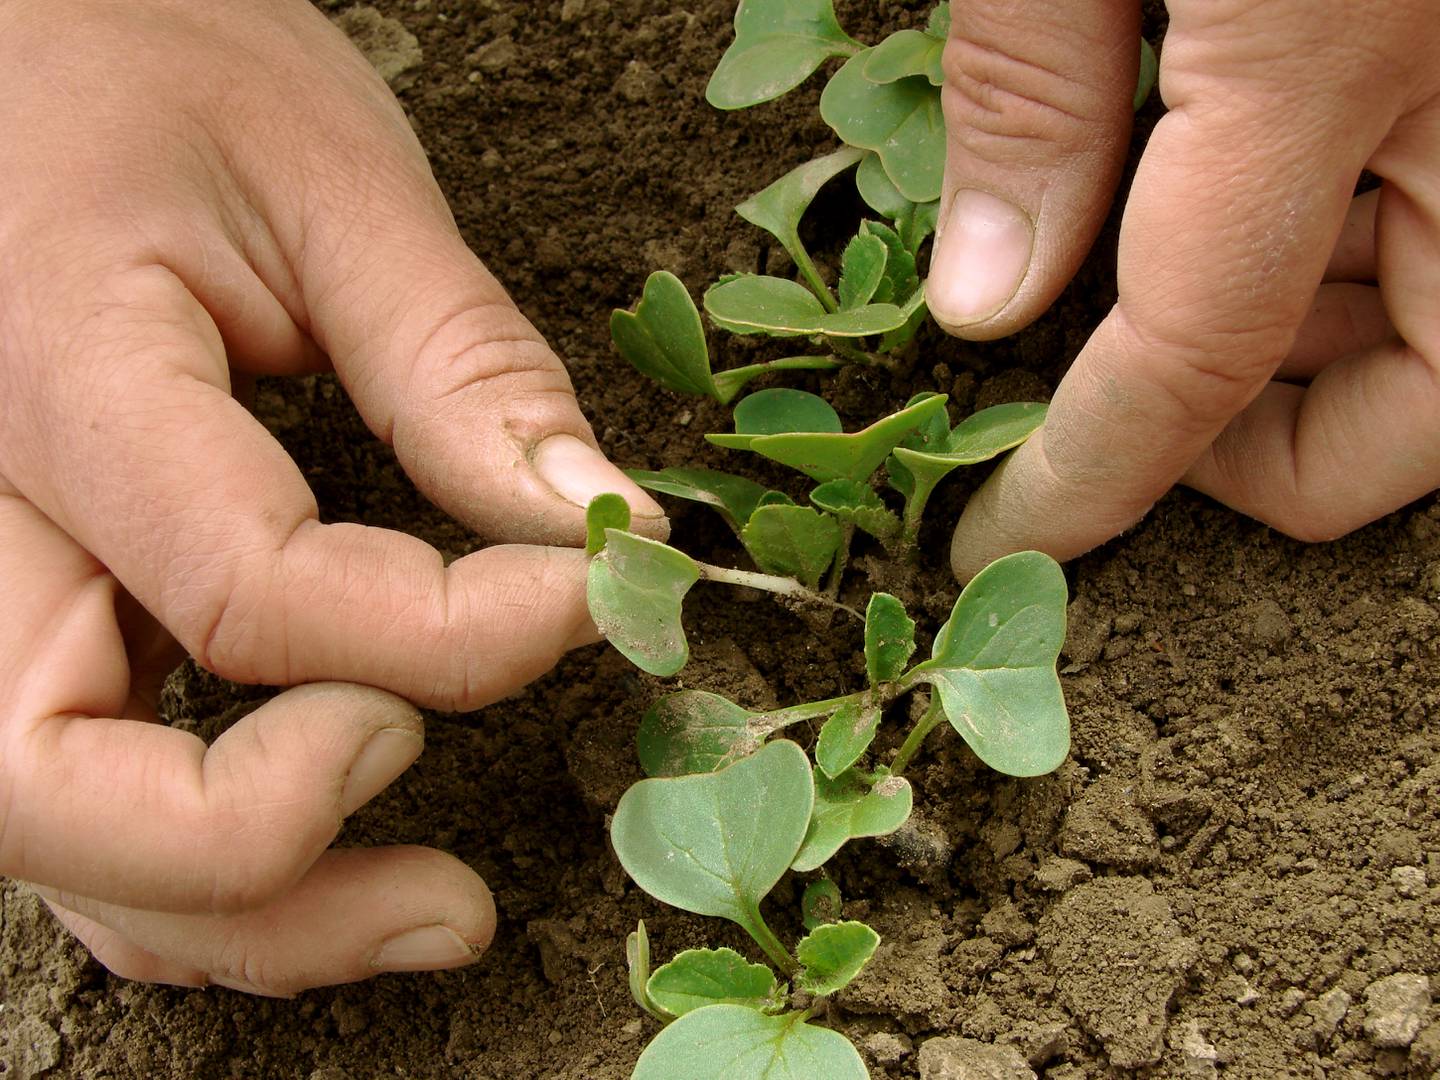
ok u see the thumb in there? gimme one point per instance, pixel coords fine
(1037, 101)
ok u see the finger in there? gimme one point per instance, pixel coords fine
(1344, 320)
(1037, 102)
(356, 913)
(1214, 280)
(206, 521)
(438, 359)
(1354, 255)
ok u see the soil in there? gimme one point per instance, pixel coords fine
(1244, 843)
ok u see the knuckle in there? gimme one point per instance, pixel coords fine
(491, 348)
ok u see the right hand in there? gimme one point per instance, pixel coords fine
(188, 191)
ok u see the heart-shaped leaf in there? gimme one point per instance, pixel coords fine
(693, 731)
(637, 962)
(635, 589)
(905, 53)
(994, 665)
(700, 977)
(778, 44)
(833, 954)
(820, 904)
(606, 511)
(846, 735)
(901, 121)
(857, 504)
(829, 456)
(862, 268)
(731, 1042)
(734, 496)
(779, 307)
(664, 338)
(847, 808)
(715, 844)
(778, 208)
(889, 639)
(793, 541)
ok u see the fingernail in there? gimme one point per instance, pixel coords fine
(980, 260)
(426, 948)
(578, 472)
(388, 753)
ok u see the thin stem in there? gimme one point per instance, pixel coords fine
(771, 583)
(933, 715)
(852, 352)
(808, 271)
(756, 927)
(766, 724)
(914, 510)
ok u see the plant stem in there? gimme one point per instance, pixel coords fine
(808, 271)
(852, 352)
(933, 715)
(766, 724)
(772, 583)
(914, 510)
(756, 927)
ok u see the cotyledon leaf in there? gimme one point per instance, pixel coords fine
(732, 1042)
(833, 954)
(993, 665)
(794, 541)
(845, 736)
(847, 808)
(901, 121)
(606, 511)
(778, 44)
(735, 497)
(693, 731)
(664, 338)
(700, 977)
(779, 307)
(905, 53)
(702, 844)
(778, 208)
(635, 589)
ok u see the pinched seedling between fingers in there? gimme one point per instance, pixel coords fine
(735, 497)
(635, 589)
(606, 511)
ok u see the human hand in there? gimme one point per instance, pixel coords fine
(186, 191)
(1248, 356)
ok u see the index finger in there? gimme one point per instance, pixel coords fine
(1234, 212)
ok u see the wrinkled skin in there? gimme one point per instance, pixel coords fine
(1276, 343)
(195, 194)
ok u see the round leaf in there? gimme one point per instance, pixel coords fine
(700, 977)
(778, 43)
(781, 411)
(716, 844)
(664, 339)
(731, 1042)
(833, 954)
(990, 432)
(606, 511)
(635, 589)
(994, 665)
(693, 731)
(877, 189)
(901, 121)
(846, 808)
(759, 304)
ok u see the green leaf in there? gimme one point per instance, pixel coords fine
(862, 267)
(905, 53)
(779, 307)
(901, 280)
(826, 456)
(889, 639)
(820, 904)
(778, 208)
(932, 434)
(734, 496)
(730, 382)
(776, 498)
(700, 977)
(1149, 72)
(693, 731)
(990, 432)
(994, 665)
(915, 312)
(664, 338)
(877, 189)
(635, 589)
(901, 121)
(917, 223)
(846, 735)
(701, 844)
(782, 410)
(938, 25)
(832, 955)
(637, 961)
(857, 504)
(793, 541)
(847, 808)
(731, 1042)
(778, 44)
(606, 511)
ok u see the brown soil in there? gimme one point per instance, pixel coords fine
(1245, 839)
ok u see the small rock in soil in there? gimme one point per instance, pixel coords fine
(495, 56)
(954, 1058)
(1060, 875)
(1396, 1007)
(1118, 957)
(1326, 1012)
(1197, 1054)
(638, 82)
(1425, 1050)
(886, 1048)
(392, 50)
(1409, 881)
